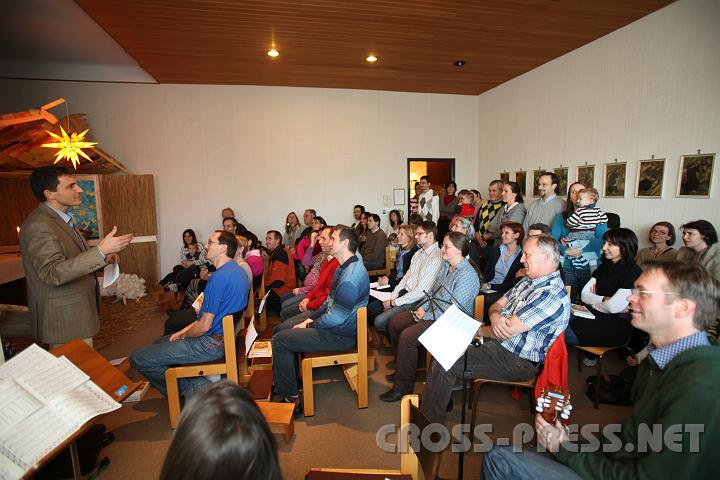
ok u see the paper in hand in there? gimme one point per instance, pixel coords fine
(110, 274)
(449, 336)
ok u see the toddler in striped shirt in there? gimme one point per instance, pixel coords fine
(582, 224)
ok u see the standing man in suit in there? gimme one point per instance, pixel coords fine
(63, 293)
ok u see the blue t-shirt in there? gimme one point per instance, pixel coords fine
(226, 292)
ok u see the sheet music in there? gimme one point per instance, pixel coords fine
(110, 274)
(15, 404)
(449, 336)
(250, 335)
(43, 400)
(262, 302)
(50, 379)
(382, 296)
(41, 432)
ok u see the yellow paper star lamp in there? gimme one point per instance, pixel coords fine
(70, 146)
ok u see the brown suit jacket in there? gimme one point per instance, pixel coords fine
(63, 294)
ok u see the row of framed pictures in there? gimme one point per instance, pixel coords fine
(694, 180)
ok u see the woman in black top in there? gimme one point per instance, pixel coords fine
(605, 294)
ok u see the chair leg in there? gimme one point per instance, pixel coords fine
(596, 403)
(173, 397)
(362, 382)
(475, 398)
(579, 359)
(307, 379)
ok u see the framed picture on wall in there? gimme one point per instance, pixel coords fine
(87, 215)
(650, 178)
(398, 196)
(696, 174)
(505, 177)
(615, 175)
(536, 177)
(521, 180)
(562, 187)
(586, 175)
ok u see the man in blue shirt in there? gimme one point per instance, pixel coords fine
(226, 293)
(335, 329)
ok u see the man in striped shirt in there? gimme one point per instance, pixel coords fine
(524, 323)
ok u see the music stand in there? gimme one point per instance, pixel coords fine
(466, 375)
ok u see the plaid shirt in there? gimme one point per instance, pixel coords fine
(543, 305)
(664, 355)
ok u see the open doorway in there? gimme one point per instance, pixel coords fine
(440, 171)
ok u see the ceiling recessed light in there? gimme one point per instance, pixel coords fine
(459, 63)
(273, 53)
(371, 58)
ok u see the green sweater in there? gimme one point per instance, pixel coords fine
(686, 392)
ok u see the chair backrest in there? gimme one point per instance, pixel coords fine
(568, 289)
(479, 306)
(388, 260)
(230, 349)
(362, 332)
(250, 309)
(429, 460)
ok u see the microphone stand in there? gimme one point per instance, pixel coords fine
(466, 374)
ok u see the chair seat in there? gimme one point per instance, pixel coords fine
(530, 382)
(328, 354)
(597, 350)
(331, 475)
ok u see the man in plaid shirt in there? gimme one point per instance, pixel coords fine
(524, 323)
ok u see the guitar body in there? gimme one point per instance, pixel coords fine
(554, 404)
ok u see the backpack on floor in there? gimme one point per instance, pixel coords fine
(614, 389)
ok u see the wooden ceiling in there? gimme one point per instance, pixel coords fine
(323, 43)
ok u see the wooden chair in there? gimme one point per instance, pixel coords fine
(420, 464)
(227, 366)
(386, 269)
(354, 363)
(599, 351)
(262, 323)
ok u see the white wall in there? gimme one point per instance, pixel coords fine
(262, 150)
(651, 88)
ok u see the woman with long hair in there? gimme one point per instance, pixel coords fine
(575, 276)
(605, 295)
(292, 229)
(395, 220)
(513, 210)
(192, 257)
(448, 204)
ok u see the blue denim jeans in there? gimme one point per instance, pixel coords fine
(502, 463)
(576, 278)
(153, 360)
(286, 341)
(382, 319)
(289, 307)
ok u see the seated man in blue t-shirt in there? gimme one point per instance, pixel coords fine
(201, 341)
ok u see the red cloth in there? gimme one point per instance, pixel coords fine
(467, 210)
(555, 372)
(319, 293)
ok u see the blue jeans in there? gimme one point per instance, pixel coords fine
(503, 463)
(154, 360)
(287, 341)
(576, 278)
(289, 307)
(383, 316)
